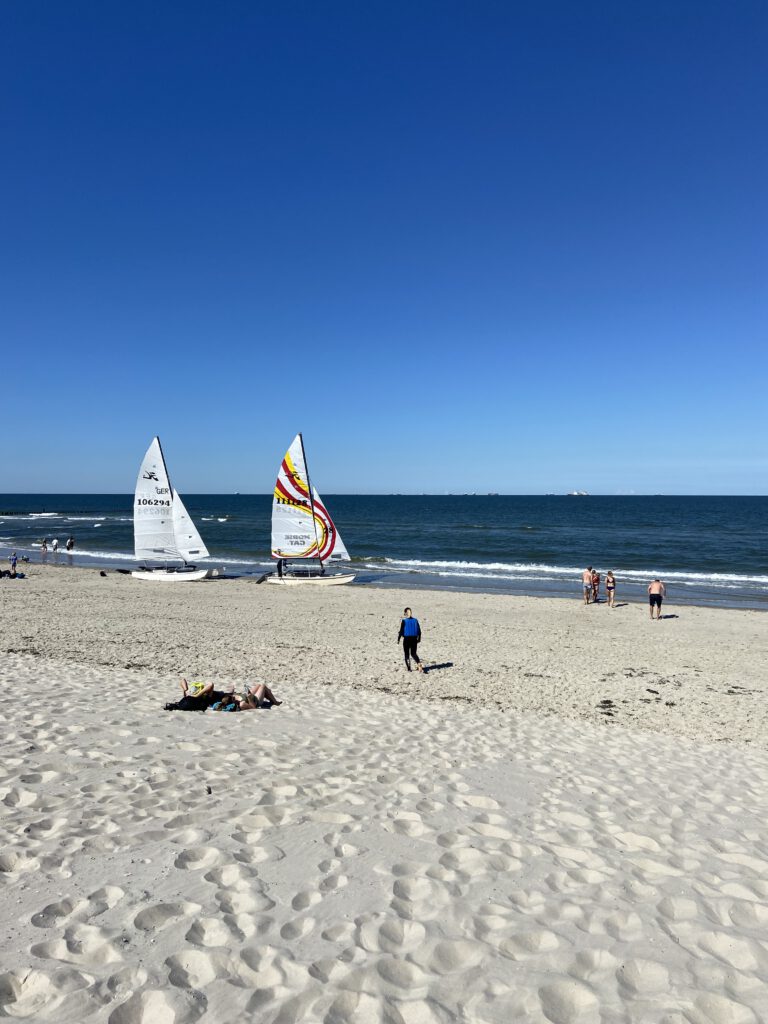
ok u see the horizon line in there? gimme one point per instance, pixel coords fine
(400, 494)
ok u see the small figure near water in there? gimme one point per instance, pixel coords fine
(12, 560)
(586, 583)
(656, 594)
(44, 546)
(595, 586)
(55, 545)
(70, 543)
(610, 588)
(410, 634)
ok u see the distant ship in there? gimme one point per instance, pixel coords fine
(578, 494)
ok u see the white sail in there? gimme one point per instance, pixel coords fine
(189, 543)
(301, 527)
(153, 508)
(162, 528)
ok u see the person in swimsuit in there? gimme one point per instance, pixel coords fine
(586, 584)
(610, 588)
(656, 592)
(257, 696)
(595, 586)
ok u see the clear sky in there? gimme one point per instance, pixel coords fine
(519, 247)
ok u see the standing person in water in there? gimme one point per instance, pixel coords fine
(656, 592)
(70, 543)
(586, 583)
(410, 634)
(55, 545)
(610, 588)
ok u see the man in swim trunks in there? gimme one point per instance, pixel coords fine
(656, 592)
(586, 583)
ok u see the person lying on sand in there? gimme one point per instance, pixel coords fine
(198, 696)
(258, 695)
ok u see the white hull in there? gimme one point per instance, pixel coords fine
(170, 575)
(327, 580)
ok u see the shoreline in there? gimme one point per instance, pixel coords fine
(388, 579)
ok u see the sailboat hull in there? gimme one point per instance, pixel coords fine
(163, 575)
(326, 580)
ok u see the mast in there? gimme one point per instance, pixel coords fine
(172, 495)
(311, 500)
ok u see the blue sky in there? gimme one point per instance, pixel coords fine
(462, 246)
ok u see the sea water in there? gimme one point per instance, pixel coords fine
(708, 550)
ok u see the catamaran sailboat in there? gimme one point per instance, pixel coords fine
(162, 529)
(302, 529)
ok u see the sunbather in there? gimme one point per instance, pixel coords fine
(198, 696)
(258, 696)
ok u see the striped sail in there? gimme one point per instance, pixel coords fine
(301, 526)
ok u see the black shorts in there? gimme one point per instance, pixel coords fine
(655, 600)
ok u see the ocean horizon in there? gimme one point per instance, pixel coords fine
(708, 549)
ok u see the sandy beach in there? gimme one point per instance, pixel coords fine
(564, 821)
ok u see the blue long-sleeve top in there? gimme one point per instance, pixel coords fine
(410, 627)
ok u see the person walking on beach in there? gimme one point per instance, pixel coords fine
(610, 588)
(656, 593)
(586, 583)
(410, 634)
(44, 546)
(12, 560)
(595, 586)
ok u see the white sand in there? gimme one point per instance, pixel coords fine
(363, 857)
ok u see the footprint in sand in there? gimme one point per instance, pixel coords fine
(231, 876)
(305, 899)
(151, 1006)
(247, 901)
(193, 969)
(54, 913)
(298, 929)
(566, 1001)
(643, 977)
(194, 858)
(209, 931)
(12, 863)
(82, 944)
(382, 933)
(35, 995)
(160, 915)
